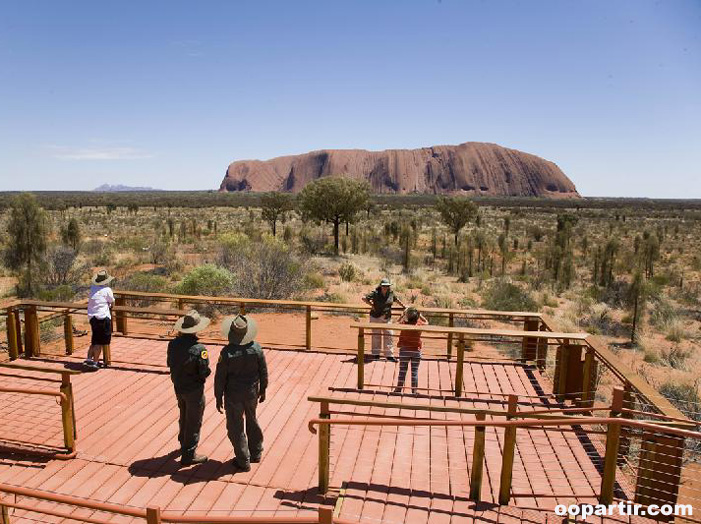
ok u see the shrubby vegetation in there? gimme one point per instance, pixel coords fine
(268, 269)
(629, 271)
(207, 280)
(505, 296)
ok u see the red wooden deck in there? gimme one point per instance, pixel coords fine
(127, 438)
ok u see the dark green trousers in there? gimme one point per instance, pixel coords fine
(246, 443)
(191, 405)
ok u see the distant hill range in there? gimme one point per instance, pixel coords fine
(472, 168)
(107, 188)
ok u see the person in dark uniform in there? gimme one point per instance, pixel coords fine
(239, 384)
(381, 300)
(189, 368)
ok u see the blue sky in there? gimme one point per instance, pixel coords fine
(167, 93)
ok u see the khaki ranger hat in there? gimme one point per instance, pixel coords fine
(239, 330)
(191, 323)
(102, 278)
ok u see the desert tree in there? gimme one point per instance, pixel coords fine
(637, 297)
(70, 234)
(406, 239)
(650, 253)
(334, 200)
(608, 259)
(275, 207)
(456, 212)
(27, 229)
(503, 250)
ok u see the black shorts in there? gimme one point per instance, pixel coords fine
(101, 331)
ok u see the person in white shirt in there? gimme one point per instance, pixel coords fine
(100, 316)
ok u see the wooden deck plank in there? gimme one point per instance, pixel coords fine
(127, 427)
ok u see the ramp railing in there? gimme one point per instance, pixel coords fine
(658, 478)
(79, 509)
(31, 388)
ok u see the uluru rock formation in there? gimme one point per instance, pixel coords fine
(472, 168)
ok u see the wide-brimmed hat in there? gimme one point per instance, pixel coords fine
(239, 329)
(192, 322)
(102, 278)
(385, 282)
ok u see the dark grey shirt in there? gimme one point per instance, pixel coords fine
(240, 369)
(188, 362)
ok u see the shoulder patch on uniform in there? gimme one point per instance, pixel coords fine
(204, 354)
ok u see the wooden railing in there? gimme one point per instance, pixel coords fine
(152, 514)
(465, 340)
(450, 315)
(576, 364)
(65, 394)
(578, 359)
(122, 312)
(648, 487)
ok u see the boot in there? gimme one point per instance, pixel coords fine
(190, 459)
(239, 466)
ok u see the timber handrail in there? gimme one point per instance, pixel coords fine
(613, 423)
(152, 515)
(520, 315)
(628, 377)
(65, 394)
(40, 369)
(465, 337)
(560, 421)
(28, 391)
(472, 331)
(79, 306)
(543, 414)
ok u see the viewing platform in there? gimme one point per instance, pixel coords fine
(512, 418)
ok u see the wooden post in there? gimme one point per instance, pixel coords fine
(325, 515)
(68, 332)
(242, 308)
(560, 381)
(309, 328)
(67, 417)
(542, 351)
(18, 330)
(451, 323)
(613, 434)
(588, 386)
(120, 316)
(477, 461)
(4, 514)
(324, 449)
(361, 358)
(31, 332)
(66, 382)
(660, 470)
(181, 304)
(507, 459)
(107, 355)
(459, 365)
(153, 515)
(624, 443)
(12, 334)
(529, 345)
